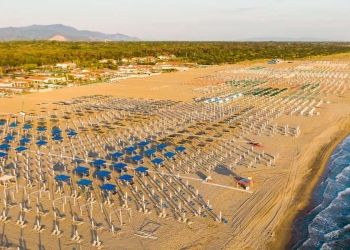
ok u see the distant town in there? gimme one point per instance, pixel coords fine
(33, 78)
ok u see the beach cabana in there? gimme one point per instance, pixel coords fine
(170, 155)
(109, 188)
(120, 167)
(180, 149)
(245, 182)
(103, 175)
(117, 155)
(9, 138)
(142, 170)
(161, 146)
(127, 179)
(130, 150)
(143, 144)
(150, 153)
(85, 183)
(137, 159)
(158, 161)
(82, 171)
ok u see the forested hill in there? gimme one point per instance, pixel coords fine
(87, 53)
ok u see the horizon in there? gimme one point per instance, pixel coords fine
(196, 21)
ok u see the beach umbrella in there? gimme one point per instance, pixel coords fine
(104, 174)
(4, 146)
(169, 154)
(143, 143)
(56, 132)
(120, 166)
(62, 177)
(24, 140)
(21, 149)
(72, 133)
(41, 143)
(82, 170)
(157, 161)
(117, 154)
(3, 154)
(84, 182)
(180, 148)
(2, 123)
(13, 125)
(57, 138)
(9, 138)
(130, 149)
(99, 162)
(141, 169)
(126, 177)
(108, 187)
(136, 158)
(26, 127)
(41, 129)
(149, 152)
(161, 146)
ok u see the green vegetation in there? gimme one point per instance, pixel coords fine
(87, 54)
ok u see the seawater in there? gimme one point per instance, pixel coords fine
(327, 225)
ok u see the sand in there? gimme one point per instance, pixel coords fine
(260, 219)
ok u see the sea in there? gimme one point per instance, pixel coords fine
(327, 224)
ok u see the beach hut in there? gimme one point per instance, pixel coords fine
(245, 182)
(103, 175)
(137, 159)
(120, 167)
(142, 170)
(82, 171)
(109, 188)
(127, 179)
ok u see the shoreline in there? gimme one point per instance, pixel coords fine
(304, 194)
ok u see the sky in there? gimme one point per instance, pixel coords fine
(197, 20)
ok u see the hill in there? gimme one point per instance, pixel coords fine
(58, 32)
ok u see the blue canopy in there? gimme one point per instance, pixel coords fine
(13, 125)
(3, 154)
(157, 161)
(143, 143)
(56, 131)
(57, 138)
(180, 148)
(72, 133)
(41, 129)
(84, 182)
(81, 169)
(24, 140)
(117, 154)
(27, 126)
(5, 146)
(149, 152)
(126, 177)
(21, 149)
(169, 154)
(108, 187)
(2, 123)
(119, 165)
(99, 162)
(141, 169)
(137, 158)
(41, 143)
(162, 146)
(130, 149)
(103, 173)
(62, 177)
(9, 137)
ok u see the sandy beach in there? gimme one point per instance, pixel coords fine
(282, 142)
